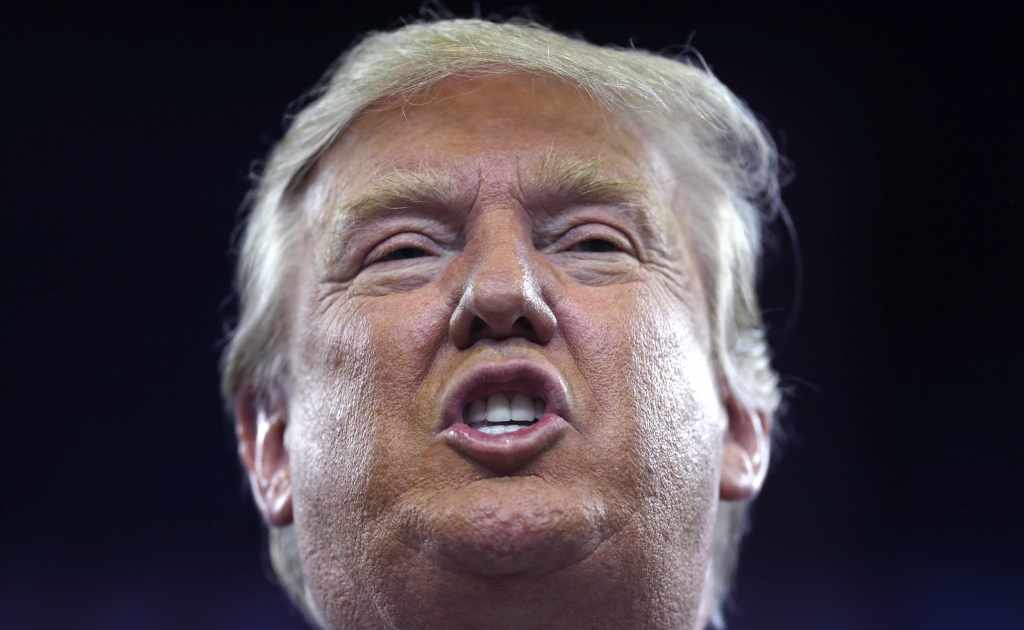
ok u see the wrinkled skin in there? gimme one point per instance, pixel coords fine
(606, 522)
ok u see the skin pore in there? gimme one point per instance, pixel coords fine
(493, 234)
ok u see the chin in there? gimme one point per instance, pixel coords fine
(510, 526)
(517, 553)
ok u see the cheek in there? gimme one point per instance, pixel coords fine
(325, 435)
(680, 413)
(357, 366)
(647, 366)
(677, 399)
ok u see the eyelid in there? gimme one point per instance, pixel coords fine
(400, 241)
(587, 231)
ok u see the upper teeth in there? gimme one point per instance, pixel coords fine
(504, 407)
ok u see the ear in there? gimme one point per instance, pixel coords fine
(745, 453)
(261, 419)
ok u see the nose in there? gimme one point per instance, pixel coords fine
(503, 296)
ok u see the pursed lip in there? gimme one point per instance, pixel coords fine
(508, 451)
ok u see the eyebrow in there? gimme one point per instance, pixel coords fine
(401, 189)
(562, 181)
(556, 183)
(395, 192)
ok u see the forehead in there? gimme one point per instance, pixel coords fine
(481, 132)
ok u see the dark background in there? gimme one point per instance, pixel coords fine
(127, 135)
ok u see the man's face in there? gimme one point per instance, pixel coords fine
(498, 247)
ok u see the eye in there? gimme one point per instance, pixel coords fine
(404, 253)
(401, 247)
(595, 238)
(597, 245)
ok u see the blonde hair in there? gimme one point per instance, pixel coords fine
(710, 137)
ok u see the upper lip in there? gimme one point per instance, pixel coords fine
(526, 375)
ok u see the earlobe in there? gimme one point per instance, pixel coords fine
(745, 453)
(260, 423)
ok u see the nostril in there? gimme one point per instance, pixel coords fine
(477, 325)
(524, 323)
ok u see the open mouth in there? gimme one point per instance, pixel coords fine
(503, 412)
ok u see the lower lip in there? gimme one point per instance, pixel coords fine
(507, 451)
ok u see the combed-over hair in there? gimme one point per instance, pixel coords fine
(713, 142)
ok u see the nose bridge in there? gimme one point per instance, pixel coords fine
(502, 296)
(501, 277)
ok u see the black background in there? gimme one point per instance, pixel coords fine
(127, 136)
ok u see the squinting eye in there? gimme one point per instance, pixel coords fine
(404, 253)
(598, 245)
